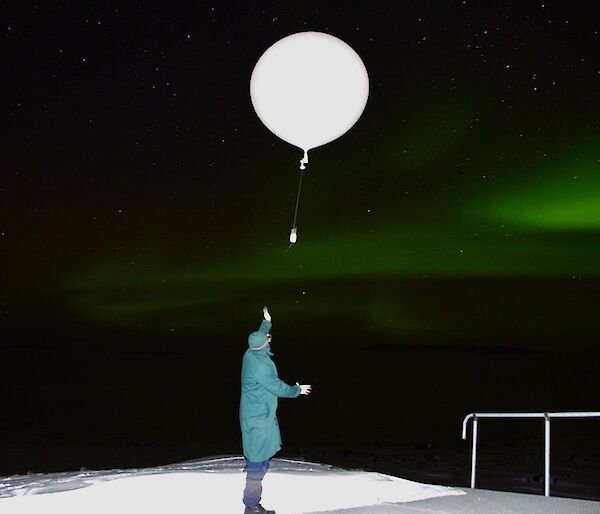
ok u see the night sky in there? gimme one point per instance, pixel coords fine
(143, 204)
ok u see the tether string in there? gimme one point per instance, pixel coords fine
(297, 200)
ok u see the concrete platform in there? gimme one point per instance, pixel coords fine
(479, 501)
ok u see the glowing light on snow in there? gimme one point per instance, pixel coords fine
(220, 490)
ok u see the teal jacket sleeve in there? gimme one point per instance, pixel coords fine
(265, 326)
(271, 382)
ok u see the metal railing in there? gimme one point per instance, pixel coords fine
(475, 416)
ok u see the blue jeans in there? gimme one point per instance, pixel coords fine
(256, 471)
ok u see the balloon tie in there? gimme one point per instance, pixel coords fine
(304, 160)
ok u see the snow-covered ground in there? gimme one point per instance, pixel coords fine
(212, 485)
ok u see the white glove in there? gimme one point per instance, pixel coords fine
(266, 314)
(304, 389)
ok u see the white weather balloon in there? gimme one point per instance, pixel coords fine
(309, 89)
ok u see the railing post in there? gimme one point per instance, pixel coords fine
(547, 456)
(474, 453)
(547, 418)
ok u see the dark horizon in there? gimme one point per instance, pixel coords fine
(395, 410)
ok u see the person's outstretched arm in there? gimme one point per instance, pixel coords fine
(267, 378)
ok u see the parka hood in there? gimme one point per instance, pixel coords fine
(258, 338)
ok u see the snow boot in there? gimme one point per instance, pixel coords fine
(258, 509)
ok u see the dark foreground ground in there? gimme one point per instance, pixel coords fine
(397, 411)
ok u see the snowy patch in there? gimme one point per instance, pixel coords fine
(289, 488)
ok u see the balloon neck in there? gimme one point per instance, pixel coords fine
(293, 236)
(304, 160)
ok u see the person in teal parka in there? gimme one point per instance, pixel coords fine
(261, 388)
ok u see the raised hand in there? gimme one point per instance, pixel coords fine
(266, 314)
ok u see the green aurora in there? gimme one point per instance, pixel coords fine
(543, 226)
(562, 196)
